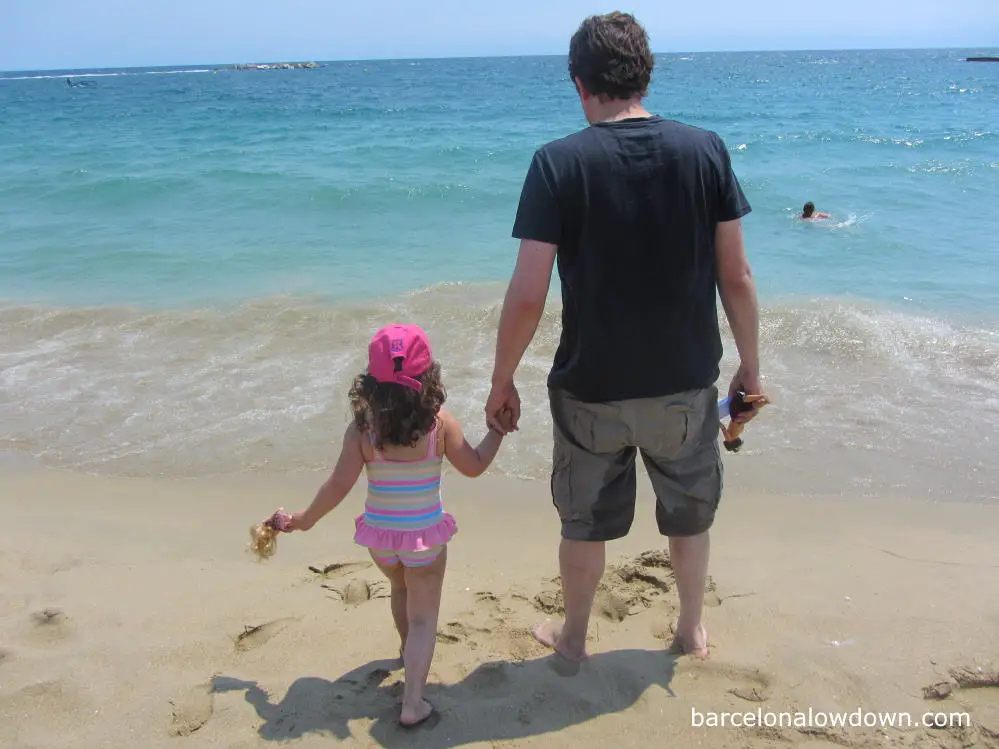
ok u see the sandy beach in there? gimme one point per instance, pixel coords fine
(131, 616)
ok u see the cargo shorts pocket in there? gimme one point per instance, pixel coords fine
(561, 472)
(598, 428)
(667, 430)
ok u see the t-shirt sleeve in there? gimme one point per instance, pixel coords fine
(732, 202)
(538, 215)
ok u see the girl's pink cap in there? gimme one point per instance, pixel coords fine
(400, 354)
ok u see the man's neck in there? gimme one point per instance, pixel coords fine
(617, 110)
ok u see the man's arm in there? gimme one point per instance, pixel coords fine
(523, 306)
(738, 295)
(538, 226)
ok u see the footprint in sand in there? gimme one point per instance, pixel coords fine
(5, 655)
(452, 633)
(50, 625)
(473, 625)
(746, 682)
(50, 697)
(358, 591)
(338, 569)
(191, 710)
(624, 590)
(372, 680)
(253, 637)
(656, 558)
(550, 601)
(491, 609)
(711, 597)
(611, 605)
(493, 626)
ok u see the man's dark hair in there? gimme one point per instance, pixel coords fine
(610, 54)
(808, 210)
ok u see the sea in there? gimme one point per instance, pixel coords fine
(192, 259)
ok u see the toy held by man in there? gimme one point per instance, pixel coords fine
(734, 405)
(263, 535)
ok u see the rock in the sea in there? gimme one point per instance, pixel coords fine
(277, 66)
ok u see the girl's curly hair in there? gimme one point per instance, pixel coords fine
(398, 414)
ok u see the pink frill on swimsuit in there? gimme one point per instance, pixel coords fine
(403, 510)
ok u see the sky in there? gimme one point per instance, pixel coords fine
(72, 34)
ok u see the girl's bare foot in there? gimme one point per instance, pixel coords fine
(410, 717)
(549, 633)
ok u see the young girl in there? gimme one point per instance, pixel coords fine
(400, 435)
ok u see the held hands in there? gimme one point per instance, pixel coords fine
(503, 408)
(504, 422)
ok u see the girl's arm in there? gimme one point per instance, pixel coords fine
(337, 486)
(471, 461)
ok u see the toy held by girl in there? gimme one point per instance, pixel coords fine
(399, 437)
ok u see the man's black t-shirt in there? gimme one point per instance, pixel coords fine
(633, 206)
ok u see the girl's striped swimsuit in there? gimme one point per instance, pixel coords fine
(404, 518)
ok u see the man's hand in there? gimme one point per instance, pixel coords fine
(505, 419)
(747, 380)
(503, 398)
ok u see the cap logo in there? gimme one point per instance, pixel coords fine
(396, 346)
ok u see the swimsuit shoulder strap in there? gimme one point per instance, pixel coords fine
(374, 448)
(432, 439)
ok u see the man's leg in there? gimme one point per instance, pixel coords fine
(680, 451)
(581, 564)
(689, 556)
(593, 488)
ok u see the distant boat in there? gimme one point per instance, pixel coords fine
(983, 59)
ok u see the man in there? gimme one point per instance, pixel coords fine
(808, 212)
(643, 215)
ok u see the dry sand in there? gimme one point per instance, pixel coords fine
(131, 616)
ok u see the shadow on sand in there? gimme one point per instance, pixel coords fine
(499, 700)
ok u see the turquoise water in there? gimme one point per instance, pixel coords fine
(191, 260)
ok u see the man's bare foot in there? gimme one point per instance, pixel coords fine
(549, 634)
(410, 717)
(696, 643)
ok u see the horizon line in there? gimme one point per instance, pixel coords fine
(483, 57)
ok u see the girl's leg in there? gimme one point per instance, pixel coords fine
(397, 582)
(424, 597)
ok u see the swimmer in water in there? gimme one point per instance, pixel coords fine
(808, 212)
